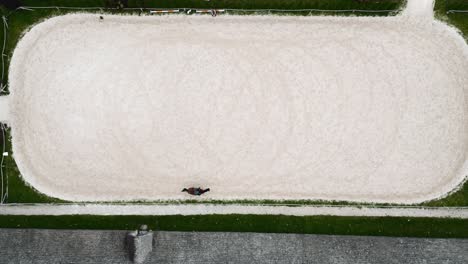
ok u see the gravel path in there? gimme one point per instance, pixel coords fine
(194, 209)
(420, 9)
(4, 109)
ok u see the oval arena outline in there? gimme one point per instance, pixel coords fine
(333, 108)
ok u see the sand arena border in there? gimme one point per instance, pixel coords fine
(358, 109)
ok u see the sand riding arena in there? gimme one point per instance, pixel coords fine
(368, 109)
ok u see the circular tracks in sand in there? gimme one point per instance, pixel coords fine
(358, 109)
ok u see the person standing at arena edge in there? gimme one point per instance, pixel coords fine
(196, 191)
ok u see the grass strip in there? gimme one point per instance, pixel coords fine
(368, 226)
(234, 4)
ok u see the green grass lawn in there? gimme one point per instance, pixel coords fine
(453, 4)
(234, 4)
(373, 226)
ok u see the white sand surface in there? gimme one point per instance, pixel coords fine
(209, 209)
(357, 109)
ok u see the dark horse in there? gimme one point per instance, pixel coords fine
(196, 191)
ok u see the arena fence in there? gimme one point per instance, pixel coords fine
(456, 6)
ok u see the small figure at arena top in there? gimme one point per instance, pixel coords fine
(196, 191)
